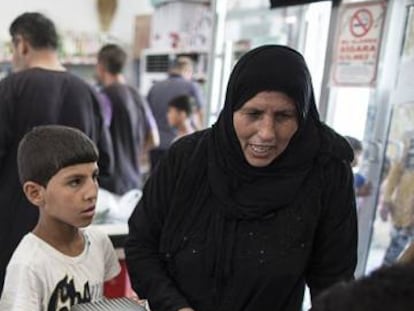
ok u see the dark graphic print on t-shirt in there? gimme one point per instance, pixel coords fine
(64, 296)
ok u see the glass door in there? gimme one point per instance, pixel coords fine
(243, 25)
(393, 228)
(364, 112)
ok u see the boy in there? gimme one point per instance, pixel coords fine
(39, 91)
(179, 82)
(385, 289)
(179, 115)
(363, 187)
(58, 265)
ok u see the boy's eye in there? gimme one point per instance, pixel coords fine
(74, 182)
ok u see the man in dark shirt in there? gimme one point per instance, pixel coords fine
(39, 92)
(178, 83)
(131, 123)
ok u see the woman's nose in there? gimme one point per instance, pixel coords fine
(267, 129)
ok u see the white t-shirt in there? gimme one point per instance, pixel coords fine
(40, 278)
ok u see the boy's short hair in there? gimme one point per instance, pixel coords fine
(182, 103)
(355, 143)
(47, 149)
(386, 289)
(37, 29)
(113, 58)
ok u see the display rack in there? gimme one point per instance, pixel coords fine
(77, 52)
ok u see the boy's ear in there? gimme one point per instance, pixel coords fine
(34, 192)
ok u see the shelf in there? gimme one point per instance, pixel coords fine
(64, 63)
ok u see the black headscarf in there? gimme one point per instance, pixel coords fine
(217, 169)
(255, 191)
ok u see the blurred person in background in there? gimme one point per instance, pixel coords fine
(39, 92)
(130, 120)
(179, 115)
(363, 187)
(179, 82)
(398, 201)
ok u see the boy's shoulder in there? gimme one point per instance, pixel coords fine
(33, 251)
(28, 251)
(95, 234)
(28, 261)
(98, 241)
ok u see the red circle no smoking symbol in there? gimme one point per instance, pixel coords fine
(361, 22)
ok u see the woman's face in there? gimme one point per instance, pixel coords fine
(264, 126)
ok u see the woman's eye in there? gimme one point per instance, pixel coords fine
(253, 114)
(283, 116)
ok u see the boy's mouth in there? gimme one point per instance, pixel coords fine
(89, 211)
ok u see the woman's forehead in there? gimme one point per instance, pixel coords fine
(270, 100)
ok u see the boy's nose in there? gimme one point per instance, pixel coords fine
(91, 192)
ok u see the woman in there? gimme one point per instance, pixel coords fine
(242, 215)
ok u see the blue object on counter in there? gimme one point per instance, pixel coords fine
(359, 180)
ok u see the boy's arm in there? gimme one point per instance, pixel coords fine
(112, 266)
(22, 289)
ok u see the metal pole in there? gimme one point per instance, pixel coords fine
(325, 96)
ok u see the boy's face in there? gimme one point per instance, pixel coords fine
(175, 117)
(357, 158)
(70, 196)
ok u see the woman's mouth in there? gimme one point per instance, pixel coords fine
(261, 149)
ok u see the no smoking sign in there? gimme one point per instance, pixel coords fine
(358, 42)
(361, 22)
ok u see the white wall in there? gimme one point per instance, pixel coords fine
(76, 15)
